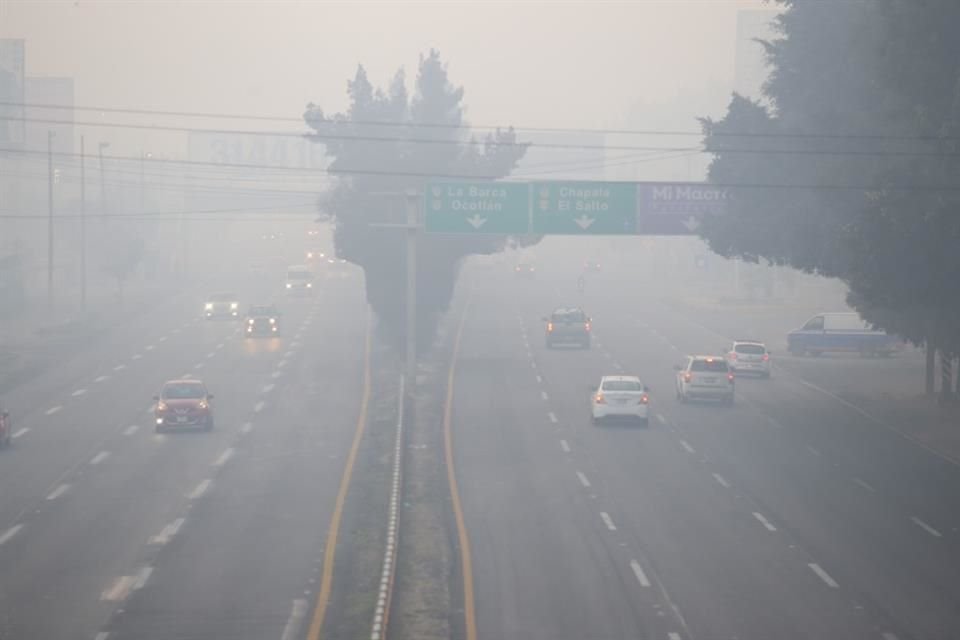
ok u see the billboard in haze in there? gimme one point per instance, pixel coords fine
(11, 91)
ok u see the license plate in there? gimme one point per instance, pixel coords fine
(711, 380)
(181, 418)
(621, 402)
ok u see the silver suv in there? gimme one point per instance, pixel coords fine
(749, 356)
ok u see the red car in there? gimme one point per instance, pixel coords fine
(6, 429)
(182, 404)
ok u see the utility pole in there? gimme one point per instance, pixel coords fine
(83, 228)
(413, 209)
(103, 181)
(50, 219)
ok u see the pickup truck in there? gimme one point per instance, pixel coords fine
(841, 332)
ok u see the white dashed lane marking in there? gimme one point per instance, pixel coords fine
(763, 520)
(823, 575)
(583, 479)
(607, 520)
(78, 393)
(9, 534)
(136, 356)
(167, 533)
(565, 446)
(923, 525)
(101, 378)
(638, 571)
(224, 457)
(814, 451)
(673, 635)
(864, 484)
(120, 367)
(53, 410)
(119, 590)
(149, 347)
(721, 480)
(162, 339)
(246, 428)
(543, 394)
(20, 433)
(199, 490)
(59, 491)
(211, 354)
(552, 416)
(539, 379)
(100, 457)
(132, 429)
(687, 447)
(257, 408)
(199, 365)
(661, 419)
(268, 388)
(103, 635)
(276, 374)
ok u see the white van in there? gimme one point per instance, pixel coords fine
(299, 280)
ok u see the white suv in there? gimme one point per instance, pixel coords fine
(705, 377)
(749, 356)
(620, 397)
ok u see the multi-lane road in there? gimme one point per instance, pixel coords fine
(793, 514)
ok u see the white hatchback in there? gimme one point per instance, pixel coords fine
(620, 397)
(749, 356)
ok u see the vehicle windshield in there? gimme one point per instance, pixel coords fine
(223, 297)
(621, 385)
(750, 349)
(263, 311)
(568, 316)
(709, 365)
(299, 275)
(182, 391)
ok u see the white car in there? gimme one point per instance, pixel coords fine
(749, 356)
(620, 397)
(707, 377)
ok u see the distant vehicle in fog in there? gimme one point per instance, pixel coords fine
(841, 332)
(749, 356)
(222, 305)
(591, 265)
(262, 320)
(182, 404)
(568, 326)
(620, 397)
(299, 280)
(525, 270)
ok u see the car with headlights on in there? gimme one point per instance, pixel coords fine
(262, 321)
(620, 398)
(222, 305)
(183, 404)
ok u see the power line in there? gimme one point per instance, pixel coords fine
(467, 176)
(321, 137)
(437, 125)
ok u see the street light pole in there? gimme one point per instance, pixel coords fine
(412, 224)
(50, 219)
(83, 228)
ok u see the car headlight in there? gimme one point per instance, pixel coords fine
(249, 320)
(289, 286)
(273, 321)
(309, 285)
(208, 306)
(161, 406)
(202, 405)
(234, 305)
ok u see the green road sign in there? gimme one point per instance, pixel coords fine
(584, 208)
(476, 207)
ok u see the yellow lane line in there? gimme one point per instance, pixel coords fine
(466, 562)
(326, 579)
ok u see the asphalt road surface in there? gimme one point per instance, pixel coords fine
(793, 514)
(108, 529)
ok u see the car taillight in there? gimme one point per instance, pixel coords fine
(733, 355)
(549, 326)
(730, 377)
(586, 326)
(600, 399)
(687, 377)
(766, 357)
(645, 399)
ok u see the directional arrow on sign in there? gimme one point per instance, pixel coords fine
(691, 223)
(476, 221)
(584, 222)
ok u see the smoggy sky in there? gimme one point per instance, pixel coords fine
(563, 64)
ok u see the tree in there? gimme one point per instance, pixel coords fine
(860, 139)
(429, 138)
